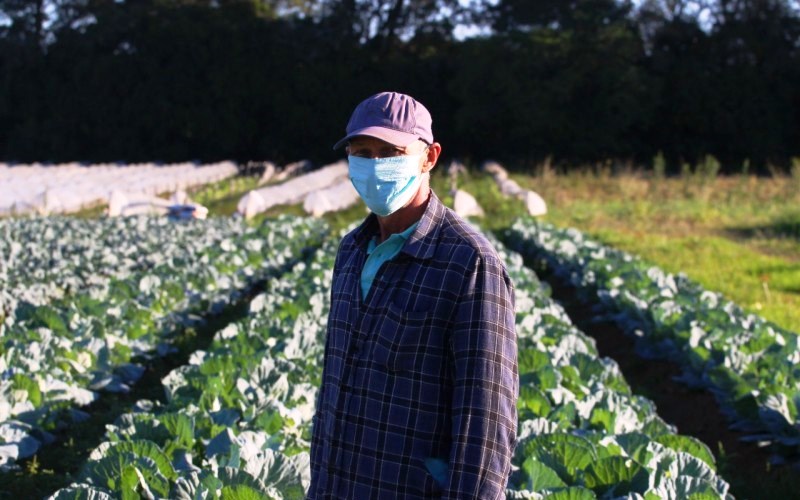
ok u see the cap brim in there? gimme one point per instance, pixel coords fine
(393, 137)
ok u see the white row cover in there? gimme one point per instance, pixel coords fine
(179, 205)
(70, 187)
(466, 205)
(337, 197)
(295, 190)
(534, 203)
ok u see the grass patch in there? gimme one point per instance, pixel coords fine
(763, 284)
(221, 198)
(737, 235)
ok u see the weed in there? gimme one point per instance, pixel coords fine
(745, 167)
(659, 167)
(708, 169)
(33, 466)
(545, 172)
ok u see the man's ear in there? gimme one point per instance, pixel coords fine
(431, 157)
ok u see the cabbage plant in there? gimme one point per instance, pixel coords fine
(749, 363)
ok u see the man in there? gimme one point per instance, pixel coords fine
(420, 383)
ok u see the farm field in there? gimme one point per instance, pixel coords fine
(253, 439)
(739, 235)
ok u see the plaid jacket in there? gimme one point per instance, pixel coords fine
(424, 368)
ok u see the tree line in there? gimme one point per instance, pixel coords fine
(576, 81)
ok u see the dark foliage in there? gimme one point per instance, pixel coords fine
(582, 81)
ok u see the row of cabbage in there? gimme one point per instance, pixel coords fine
(237, 417)
(82, 298)
(750, 364)
(583, 434)
(237, 421)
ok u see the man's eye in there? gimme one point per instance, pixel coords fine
(384, 153)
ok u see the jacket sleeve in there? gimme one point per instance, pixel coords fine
(486, 384)
(317, 444)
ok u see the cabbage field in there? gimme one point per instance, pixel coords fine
(85, 304)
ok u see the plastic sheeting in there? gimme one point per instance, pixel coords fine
(332, 199)
(466, 205)
(534, 203)
(292, 191)
(292, 169)
(69, 187)
(495, 170)
(179, 206)
(121, 203)
(268, 174)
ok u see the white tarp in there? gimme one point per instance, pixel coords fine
(179, 205)
(292, 169)
(250, 204)
(292, 191)
(337, 197)
(453, 171)
(509, 187)
(121, 203)
(69, 187)
(534, 203)
(268, 174)
(466, 205)
(495, 170)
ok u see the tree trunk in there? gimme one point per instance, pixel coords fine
(389, 30)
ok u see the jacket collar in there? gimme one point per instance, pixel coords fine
(422, 242)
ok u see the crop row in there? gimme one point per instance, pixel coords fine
(237, 419)
(750, 364)
(83, 298)
(583, 434)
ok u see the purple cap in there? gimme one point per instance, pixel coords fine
(395, 118)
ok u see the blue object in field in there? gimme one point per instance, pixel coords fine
(181, 212)
(438, 469)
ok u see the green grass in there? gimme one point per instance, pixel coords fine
(763, 284)
(220, 198)
(739, 236)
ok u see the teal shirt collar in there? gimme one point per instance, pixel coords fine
(378, 254)
(394, 240)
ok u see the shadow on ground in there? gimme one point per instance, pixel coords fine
(784, 227)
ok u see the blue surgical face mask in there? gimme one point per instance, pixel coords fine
(386, 184)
